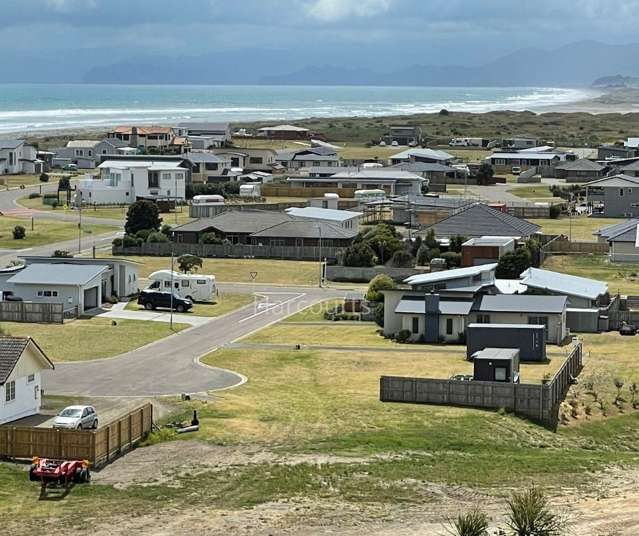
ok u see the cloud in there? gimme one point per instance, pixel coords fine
(334, 10)
(68, 5)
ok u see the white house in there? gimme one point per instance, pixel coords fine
(21, 363)
(124, 181)
(16, 156)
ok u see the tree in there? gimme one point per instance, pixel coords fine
(359, 254)
(19, 232)
(415, 245)
(452, 258)
(423, 256)
(378, 283)
(430, 240)
(142, 215)
(513, 263)
(166, 229)
(530, 515)
(402, 259)
(64, 184)
(210, 238)
(189, 263)
(383, 240)
(456, 243)
(157, 237)
(485, 173)
(44, 177)
(554, 211)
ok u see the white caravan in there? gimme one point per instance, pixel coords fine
(195, 287)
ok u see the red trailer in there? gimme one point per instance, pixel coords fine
(61, 472)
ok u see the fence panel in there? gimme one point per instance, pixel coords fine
(40, 313)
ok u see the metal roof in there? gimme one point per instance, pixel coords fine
(150, 164)
(203, 126)
(510, 286)
(625, 231)
(583, 164)
(522, 303)
(236, 221)
(481, 220)
(524, 156)
(615, 181)
(424, 167)
(57, 274)
(496, 353)
(10, 144)
(84, 144)
(306, 229)
(423, 153)
(417, 201)
(384, 173)
(489, 241)
(284, 128)
(416, 305)
(322, 213)
(203, 158)
(499, 326)
(569, 285)
(447, 275)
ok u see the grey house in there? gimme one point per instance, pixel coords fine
(582, 170)
(623, 239)
(619, 194)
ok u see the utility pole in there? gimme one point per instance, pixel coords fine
(319, 228)
(171, 313)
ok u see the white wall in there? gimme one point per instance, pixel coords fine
(27, 401)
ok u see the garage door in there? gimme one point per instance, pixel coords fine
(90, 298)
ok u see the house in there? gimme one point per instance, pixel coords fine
(127, 180)
(612, 152)
(73, 285)
(285, 132)
(392, 181)
(249, 159)
(477, 220)
(428, 156)
(581, 170)
(424, 210)
(619, 195)
(205, 135)
(403, 135)
(17, 156)
(329, 171)
(486, 249)
(299, 159)
(469, 279)
(21, 364)
(120, 279)
(86, 154)
(520, 142)
(345, 219)
(544, 162)
(236, 226)
(157, 139)
(207, 167)
(435, 173)
(630, 168)
(304, 233)
(623, 239)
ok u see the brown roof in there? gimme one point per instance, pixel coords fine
(142, 131)
(11, 348)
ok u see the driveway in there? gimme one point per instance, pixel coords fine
(171, 366)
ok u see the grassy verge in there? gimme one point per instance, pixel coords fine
(15, 181)
(227, 302)
(239, 270)
(333, 334)
(582, 226)
(315, 313)
(535, 193)
(72, 341)
(44, 232)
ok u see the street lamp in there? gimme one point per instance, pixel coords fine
(319, 228)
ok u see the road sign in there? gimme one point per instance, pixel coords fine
(253, 275)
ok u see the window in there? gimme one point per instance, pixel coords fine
(620, 192)
(500, 374)
(12, 159)
(154, 180)
(210, 166)
(36, 392)
(166, 176)
(449, 326)
(167, 284)
(415, 324)
(201, 281)
(185, 283)
(256, 160)
(39, 293)
(483, 319)
(10, 391)
(30, 378)
(48, 293)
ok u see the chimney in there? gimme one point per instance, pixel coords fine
(134, 137)
(431, 331)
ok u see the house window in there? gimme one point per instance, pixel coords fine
(483, 319)
(185, 283)
(154, 180)
(48, 293)
(166, 176)
(167, 284)
(30, 378)
(620, 192)
(10, 391)
(255, 160)
(500, 374)
(36, 392)
(12, 159)
(449, 326)
(415, 324)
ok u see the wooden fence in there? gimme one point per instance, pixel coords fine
(280, 190)
(536, 402)
(42, 313)
(99, 446)
(236, 251)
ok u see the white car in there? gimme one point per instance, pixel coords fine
(77, 418)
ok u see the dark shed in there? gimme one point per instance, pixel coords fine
(530, 340)
(496, 365)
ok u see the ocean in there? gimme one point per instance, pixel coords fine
(28, 108)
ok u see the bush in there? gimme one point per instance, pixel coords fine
(555, 211)
(378, 283)
(62, 253)
(423, 255)
(513, 263)
(444, 111)
(529, 515)
(474, 523)
(378, 314)
(210, 238)
(142, 215)
(403, 335)
(130, 241)
(143, 234)
(453, 259)
(44, 177)
(117, 242)
(402, 259)
(34, 195)
(166, 230)
(456, 243)
(19, 232)
(189, 263)
(157, 237)
(359, 254)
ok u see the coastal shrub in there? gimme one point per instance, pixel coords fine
(444, 111)
(402, 259)
(473, 523)
(555, 211)
(359, 254)
(452, 258)
(19, 232)
(64, 184)
(117, 242)
(130, 241)
(166, 229)
(529, 515)
(189, 263)
(157, 237)
(44, 177)
(423, 255)
(402, 335)
(62, 253)
(143, 234)
(378, 283)
(210, 238)
(514, 263)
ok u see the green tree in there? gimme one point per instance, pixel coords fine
(378, 283)
(430, 240)
(64, 184)
(210, 238)
(44, 177)
(142, 215)
(19, 232)
(189, 263)
(452, 258)
(485, 173)
(423, 255)
(456, 243)
(359, 254)
(383, 240)
(402, 259)
(514, 263)
(157, 237)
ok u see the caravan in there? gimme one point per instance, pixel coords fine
(195, 287)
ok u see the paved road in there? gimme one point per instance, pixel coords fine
(171, 366)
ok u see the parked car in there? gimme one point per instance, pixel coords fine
(77, 418)
(152, 300)
(70, 167)
(627, 329)
(516, 170)
(462, 377)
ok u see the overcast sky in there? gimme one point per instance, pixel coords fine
(370, 32)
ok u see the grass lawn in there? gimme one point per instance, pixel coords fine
(315, 313)
(71, 341)
(112, 213)
(239, 270)
(582, 226)
(15, 181)
(45, 232)
(540, 192)
(227, 302)
(622, 278)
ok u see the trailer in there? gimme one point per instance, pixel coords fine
(59, 472)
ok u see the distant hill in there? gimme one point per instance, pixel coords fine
(576, 64)
(616, 81)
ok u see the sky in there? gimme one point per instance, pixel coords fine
(79, 34)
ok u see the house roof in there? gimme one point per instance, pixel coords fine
(423, 153)
(615, 181)
(424, 167)
(323, 213)
(417, 201)
(633, 166)
(570, 285)
(156, 165)
(376, 174)
(142, 131)
(11, 349)
(447, 275)
(583, 164)
(306, 229)
(522, 303)
(236, 221)
(10, 144)
(489, 241)
(84, 144)
(194, 125)
(417, 305)
(496, 353)
(481, 220)
(57, 274)
(510, 286)
(617, 232)
(284, 128)
(524, 156)
(199, 158)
